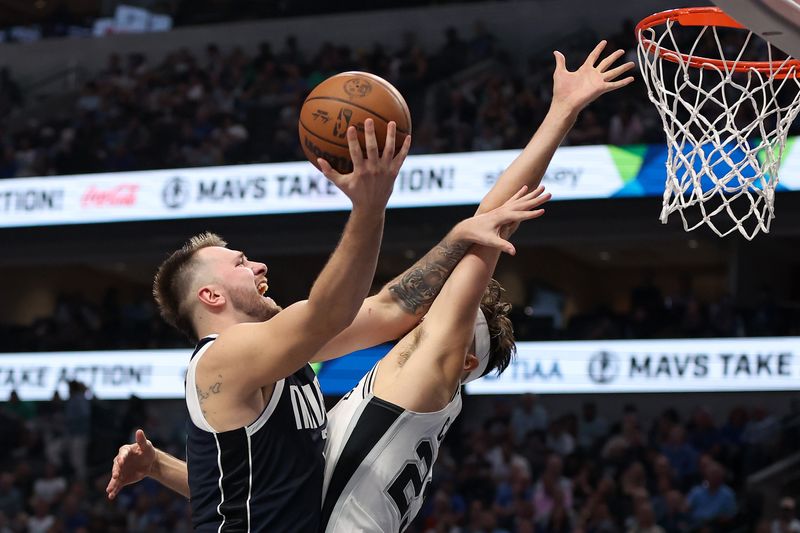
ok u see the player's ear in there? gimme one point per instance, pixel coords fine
(211, 295)
(470, 362)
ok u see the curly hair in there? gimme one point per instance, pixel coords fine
(174, 279)
(502, 345)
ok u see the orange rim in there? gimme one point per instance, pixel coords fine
(709, 16)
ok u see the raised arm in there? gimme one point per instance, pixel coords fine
(402, 302)
(257, 354)
(572, 91)
(399, 306)
(422, 371)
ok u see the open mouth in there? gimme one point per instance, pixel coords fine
(262, 287)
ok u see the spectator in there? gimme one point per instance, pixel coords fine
(78, 427)
(559, 520)
(552, 488)
(592, 428)
(528, 415)
(680, 454)
(42, 519)
(675, 518)
(51, 486)
(625, 126)
(787, 521)
(504, 460)
(645, 521)
(713, 502)
(559, 439)
(10, 498)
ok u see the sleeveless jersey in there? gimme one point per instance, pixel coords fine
(266, 476)
(379, 461)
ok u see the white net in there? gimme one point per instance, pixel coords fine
(726, 122)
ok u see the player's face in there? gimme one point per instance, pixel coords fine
(245, 283)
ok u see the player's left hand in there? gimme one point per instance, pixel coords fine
(494, 227)
(133, 463)
(575, 90)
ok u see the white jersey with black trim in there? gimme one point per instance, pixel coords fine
(379, 461)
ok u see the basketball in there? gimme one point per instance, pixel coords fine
(345, 100)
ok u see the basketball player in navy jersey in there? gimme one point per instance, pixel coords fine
(412, 394)
(258, 423)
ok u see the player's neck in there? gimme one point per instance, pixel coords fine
(214, 324)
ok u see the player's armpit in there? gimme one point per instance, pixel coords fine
(417, 375)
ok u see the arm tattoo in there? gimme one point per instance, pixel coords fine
(213, 389)
(418, 286)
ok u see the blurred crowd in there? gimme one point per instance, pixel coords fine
(228, 107)
(524, 471)
(516, 469)
(652, 313)
(116, 322)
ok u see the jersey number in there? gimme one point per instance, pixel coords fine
(410, 477)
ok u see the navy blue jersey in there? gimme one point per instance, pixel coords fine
(266, 476)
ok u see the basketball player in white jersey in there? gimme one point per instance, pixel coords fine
(415, 389)
(384, 435)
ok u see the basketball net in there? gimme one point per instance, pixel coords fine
(726, 122)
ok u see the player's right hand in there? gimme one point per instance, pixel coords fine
(133, 463)
(577, 89)
(494, 227)
(372, 180)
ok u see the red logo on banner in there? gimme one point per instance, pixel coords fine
(122, 194)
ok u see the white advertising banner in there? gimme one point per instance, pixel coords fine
(567, 367)
(424, 181)
(112, 375)
(686, 365)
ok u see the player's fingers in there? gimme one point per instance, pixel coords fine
(621, 83)
(507, 247)
(141, 439)
(388, 146)
(528, 215)
(609, 60)
(592, 58)
(355, 148)
(369, 140)
(561, 61)
(536, 192)
(614, 72)
(328, 171)
(539, 200)
(397, 162)
(519, 194)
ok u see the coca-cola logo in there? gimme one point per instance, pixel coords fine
(123, 194)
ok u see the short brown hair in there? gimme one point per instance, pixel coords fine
(501, 346)
(173, 280)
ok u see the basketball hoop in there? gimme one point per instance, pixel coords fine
(726, 118)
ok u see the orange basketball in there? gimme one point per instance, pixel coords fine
(344, 100)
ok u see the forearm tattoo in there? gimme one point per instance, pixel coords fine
(416, 289)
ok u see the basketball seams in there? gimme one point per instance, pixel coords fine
(320, 137)
(361, 107)
(392, 90)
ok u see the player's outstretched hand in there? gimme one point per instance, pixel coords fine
(575, 90)
(132, 463)
(494, 227)
(372, 180)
